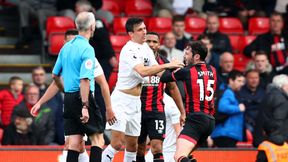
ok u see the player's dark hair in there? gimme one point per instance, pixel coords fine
(197, 47)
(235, 74)
(178, 18)
(71, 32)
(131, 23)
(153, 33)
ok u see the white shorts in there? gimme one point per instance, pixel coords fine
(127, 109)
(168, 156)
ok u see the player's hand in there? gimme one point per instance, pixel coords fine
(85, 114)
(175, 64)
(182, 119)
(110, 116)
(35, 108)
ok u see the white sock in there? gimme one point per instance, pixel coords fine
(108, 154)
(64, 156)
(129, 156)
(83, 157)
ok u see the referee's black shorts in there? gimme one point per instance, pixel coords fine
(197, 128)
(73, 112)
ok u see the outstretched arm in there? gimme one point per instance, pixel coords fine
(175, 94)
(101, 81)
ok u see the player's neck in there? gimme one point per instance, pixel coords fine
(138, 42)
(86, 35)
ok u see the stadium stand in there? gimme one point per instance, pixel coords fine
(142, 8)
(160, 25)
(112, 6)
(55, 43)
(231, 26)
(119, 25)
(258, 25)
(118, 41)
(234, 40)
(195, 25)
(244, 41)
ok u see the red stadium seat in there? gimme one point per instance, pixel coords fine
(58, 24)
(248, 143)
(195, 25)
(118, 41)
(112, 6)
(142, 8)
(119, 25)
(234, 40)
(113, 79)
(230, 25)
(258, 25)
(244, 41)
(160, 25)
(55, 43)
(240, 62)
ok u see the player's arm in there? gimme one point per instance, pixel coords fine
(177, 128)
(168, 76)
(152, 70)
(101, 81)
(175, 94)
(58, 82)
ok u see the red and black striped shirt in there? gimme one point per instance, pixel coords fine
(152, 92)
(200, 85)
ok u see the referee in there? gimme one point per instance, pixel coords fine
(75, 63)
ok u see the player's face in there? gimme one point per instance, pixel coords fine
(153, 42)
(139, 33)
(188, 56)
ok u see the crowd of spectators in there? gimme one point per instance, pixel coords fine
(244, 102)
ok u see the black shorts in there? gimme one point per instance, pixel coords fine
(153, 126)
(198, 126)
(73, 112)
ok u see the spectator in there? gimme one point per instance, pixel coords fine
(226, 66)
(169, 47)
(36, 8)
(69, 8)
(261, 64)
(70, 34)
(205, 39)
(220, 42)
(43, 124)
(56, 103)
(248, 9)
(252, 95)
(228, 133)
(178, 28)
(222, 7)
(274, 43)
(9, 98)
(272, 121)
(19, 131)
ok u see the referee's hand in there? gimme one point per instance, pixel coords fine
(85, 114)
(35, 108)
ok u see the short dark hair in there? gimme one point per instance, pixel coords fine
(38, 68)
(275, 13)
(131, 22)
(153, 33)
(198, 47)
(261, 52)
(251, 71)
(177, 18)
(235, 74)
(13, 79)
(71, 32)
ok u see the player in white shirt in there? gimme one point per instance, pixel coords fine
(136, 62)
(173, 129)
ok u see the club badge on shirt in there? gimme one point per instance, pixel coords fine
(89, 64)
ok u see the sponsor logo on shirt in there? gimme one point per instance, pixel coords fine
(88, 64)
